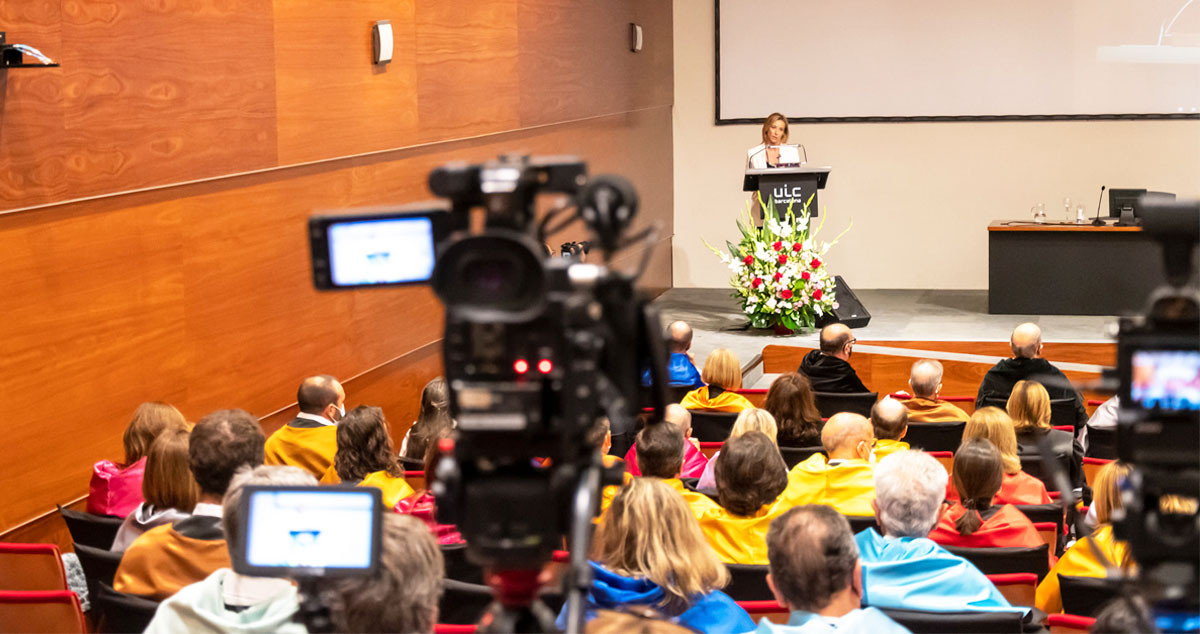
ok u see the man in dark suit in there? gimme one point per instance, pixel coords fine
(1027, 364)
(828, 369)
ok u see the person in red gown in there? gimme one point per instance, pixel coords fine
(1016, 486)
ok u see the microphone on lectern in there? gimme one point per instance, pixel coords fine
(1098, 222)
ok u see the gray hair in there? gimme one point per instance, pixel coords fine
(910, 487)
(925, 376)
(261, 475)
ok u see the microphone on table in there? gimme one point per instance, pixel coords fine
(1098, 222)
(801, 145)
(750, 161)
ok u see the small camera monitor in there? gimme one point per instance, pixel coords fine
(309, 531)
(376, 248)
(1165, 380)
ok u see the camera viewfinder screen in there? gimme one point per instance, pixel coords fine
(1166, 379)
(310, 529)
(391, 251)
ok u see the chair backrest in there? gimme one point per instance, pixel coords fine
(1101, 443)
(996, 401)
(935, 436)
(89, 529)
(1069, 623)
(1063, 411)
(748, 583)
(1041, 513)
(412, 464)
(1020, 588)
(41, 611)
(416, 480)
(1092, 467)
(463, 603)
(675, 394)
(28, 567)
(861, 523)
(120, 612)
(458, 567)
(709, 426)
(1085, 596)
(996, 561)
(920, 622)
(98, 565)
(830, 403)
(795, 455)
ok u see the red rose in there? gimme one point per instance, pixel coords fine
(783, 258)
(748, 259)
(815, 263)
(778, 276)
(817, 294)
(756, 283)
(786, 294)
(796, 247)
(778, 246)
(804, 276)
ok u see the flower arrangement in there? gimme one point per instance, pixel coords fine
(779, 273)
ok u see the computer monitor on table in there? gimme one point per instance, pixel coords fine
(1123, 204)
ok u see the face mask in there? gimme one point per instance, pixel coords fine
(341, 411)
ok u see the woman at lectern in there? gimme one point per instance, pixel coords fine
(771, 152)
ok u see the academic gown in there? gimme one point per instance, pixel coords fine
(680, 372)
(700, 504)
(1015, 488)
(302, 443)
(739, 539)
(169, 557)
(885, 447)
(914, 573)
(1003, 527)
(830, 374)
(693, 461)
(1080, 561)
(846, 485)
(923, 410)
(716, 399)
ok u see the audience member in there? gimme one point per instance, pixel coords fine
(790, 400)
(649, 551)
(633, 620)
(974, 521)
(815, 573)
(1126, 614)
(751, 476)
(423, 506)
(1081, 559)
(925, 383)
(1027, 363)
(1017, 487)
(600, 437)
(902, 568)
(660, 455)
(753, 419)
(889, 420)
(693, 460)
(116, 489)
(432, 420)
(723, 374)
(365, 456)
(310, 440)
(168, 488)
(829, 368)
(1029, 408)
(681, 371)
(1105, 417)
(168, 557)
(226, 601)
(844, 480)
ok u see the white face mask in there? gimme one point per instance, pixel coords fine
(341, 411)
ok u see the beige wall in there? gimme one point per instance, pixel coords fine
(920, 194)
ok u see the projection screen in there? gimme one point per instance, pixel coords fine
(882, 60)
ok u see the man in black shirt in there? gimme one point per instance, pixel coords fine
(828, 369)
(1027, 363)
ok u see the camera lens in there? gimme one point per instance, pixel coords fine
(497, 276)
(492, 276)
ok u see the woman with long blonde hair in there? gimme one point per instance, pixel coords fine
(722, 374)
(649, 551)
(1016, 487)
(1029, 408)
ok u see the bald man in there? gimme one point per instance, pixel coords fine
(828, 369)
(694, 461)
(310, 440)
(889, 420)
(681, 372)
(925, 385)
(844, 479)
(1027, 364)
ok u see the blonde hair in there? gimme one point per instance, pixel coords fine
(1029, 406)
(775, 116)
(1106, 498)
(149, 420)
(650, 532)
(754, 419)
(995, 425)
(168, 482)
(722, 369)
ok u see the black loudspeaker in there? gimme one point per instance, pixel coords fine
(850, 311)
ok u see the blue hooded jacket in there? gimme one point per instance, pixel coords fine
(713, 613)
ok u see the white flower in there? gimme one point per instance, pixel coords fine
(771, 303)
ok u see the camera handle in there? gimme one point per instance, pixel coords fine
(578, 577)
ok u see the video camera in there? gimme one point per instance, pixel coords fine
(537, 349)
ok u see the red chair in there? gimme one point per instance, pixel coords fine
(1092, 466)
(1048, 531)
(41, 611)
(454, 629)
(1069, 624)
(710, 448)
(415, 479)
(1020, 588)
(1070, 429)
(946, 458)
(773, 612)
(28, 567)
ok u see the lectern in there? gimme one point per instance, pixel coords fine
(785, 186)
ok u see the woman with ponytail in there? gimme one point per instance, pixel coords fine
(973, 521)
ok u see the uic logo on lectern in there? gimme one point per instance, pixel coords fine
(788, 193)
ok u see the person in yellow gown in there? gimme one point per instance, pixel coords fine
(365, 456)
(846, 479)
(723, 375)
(660, 449)
(310, 440)
(889, 420)
(751, 476)
(1080, 560)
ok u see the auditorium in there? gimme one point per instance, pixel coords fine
(721, 316)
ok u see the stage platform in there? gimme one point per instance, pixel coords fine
(896, 315)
